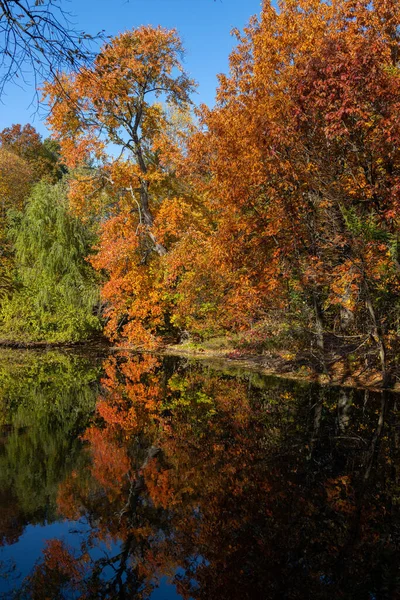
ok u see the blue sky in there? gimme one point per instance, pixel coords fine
(204, 26)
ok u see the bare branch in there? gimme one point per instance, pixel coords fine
(39, 39)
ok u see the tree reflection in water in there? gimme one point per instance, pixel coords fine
(232, 487)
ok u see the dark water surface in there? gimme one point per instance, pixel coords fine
(144, 477)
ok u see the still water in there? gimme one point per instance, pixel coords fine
(134, 476)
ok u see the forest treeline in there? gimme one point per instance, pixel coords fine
(271, 217)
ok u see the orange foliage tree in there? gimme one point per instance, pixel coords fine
(16, 179)
(118, 102)
(42, 156)
(299, 161)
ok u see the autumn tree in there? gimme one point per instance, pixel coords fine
(115, 102)
(299, 160)
(16, 180)
(41, 155)
(351, 96)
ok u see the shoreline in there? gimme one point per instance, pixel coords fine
(44, 345)
(273, 365)
(270, 364)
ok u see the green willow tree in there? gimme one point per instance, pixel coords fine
(56, 290)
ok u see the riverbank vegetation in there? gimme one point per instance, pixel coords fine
(270, 219)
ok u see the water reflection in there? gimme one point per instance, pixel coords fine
(188, 482)
(46, 401)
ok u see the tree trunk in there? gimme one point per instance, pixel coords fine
(377, 336)
(319, 326)
(146, 217)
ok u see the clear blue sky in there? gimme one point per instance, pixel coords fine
(204, 26)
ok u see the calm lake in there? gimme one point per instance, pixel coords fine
(135, 476)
